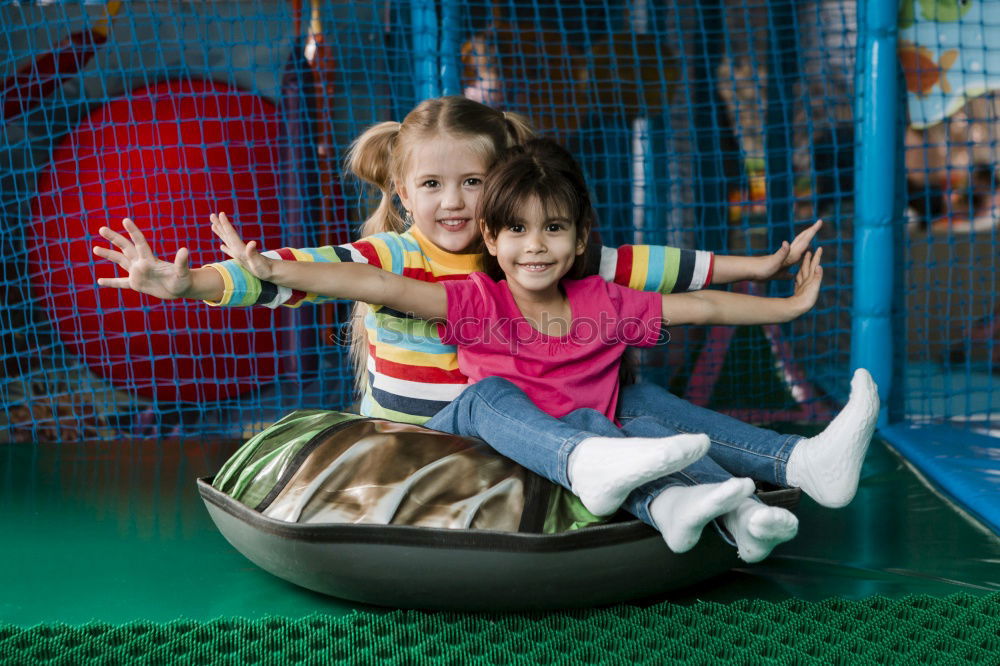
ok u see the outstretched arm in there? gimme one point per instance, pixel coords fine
(355, 282)
(149, 275)
(732, 268)
(727, 308)
(674, 270)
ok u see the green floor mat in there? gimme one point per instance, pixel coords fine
(959, 628)
(118, 533)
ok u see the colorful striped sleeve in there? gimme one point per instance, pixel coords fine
(244, 289)
(654, 267)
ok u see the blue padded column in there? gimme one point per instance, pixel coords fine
(425, 45)
(450, 49)
(875, 182)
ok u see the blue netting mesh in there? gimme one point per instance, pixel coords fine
(720, 126)
(950, 66)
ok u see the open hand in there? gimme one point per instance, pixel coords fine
(245, 253)
(807, 282)
(146, 273)
(775, 266)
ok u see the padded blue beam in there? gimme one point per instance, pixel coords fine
(450, 47)
(964, 465)
(425, 44)
(875, 180)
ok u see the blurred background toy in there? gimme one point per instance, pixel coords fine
(166, 155)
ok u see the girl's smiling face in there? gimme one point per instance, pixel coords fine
(536, 249)
(441, 191)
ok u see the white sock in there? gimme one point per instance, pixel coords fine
(758, 528)
(604, 470)
(681, 512)
(827, 467)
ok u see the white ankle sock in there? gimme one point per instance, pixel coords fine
(827, 467)
(758, 528)
(604, 470)
(681, 512)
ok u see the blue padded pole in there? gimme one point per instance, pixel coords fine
(450, 48)
(425, 44)
(875, 180)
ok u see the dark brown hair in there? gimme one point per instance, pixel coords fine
(538, 168)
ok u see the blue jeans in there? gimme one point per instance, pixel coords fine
(739, 448)
(499, 413)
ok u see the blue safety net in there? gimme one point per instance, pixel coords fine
(723, 126)
(950, 60)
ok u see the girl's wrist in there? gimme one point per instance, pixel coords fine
(763, 268)
(206, 285)
(269, 269)
(798, 307)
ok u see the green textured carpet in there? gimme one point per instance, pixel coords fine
(916, 629)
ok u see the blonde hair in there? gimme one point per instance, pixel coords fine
(383, 153)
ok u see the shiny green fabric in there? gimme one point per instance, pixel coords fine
(251, 473)
(566, 513)
(325, 467)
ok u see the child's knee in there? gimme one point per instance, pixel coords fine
(493, 386)
(592, 421)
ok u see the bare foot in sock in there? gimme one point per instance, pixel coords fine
(681, 512)
(758, 528)
(827, 467)
(604, 470)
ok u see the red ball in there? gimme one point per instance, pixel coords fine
(166, 156)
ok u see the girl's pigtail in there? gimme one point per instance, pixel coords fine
(370, 159)
(359, 345)
(519, 130)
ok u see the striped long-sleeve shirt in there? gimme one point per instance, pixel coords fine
(411, 373)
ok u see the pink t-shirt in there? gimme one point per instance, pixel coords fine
(559, 374)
